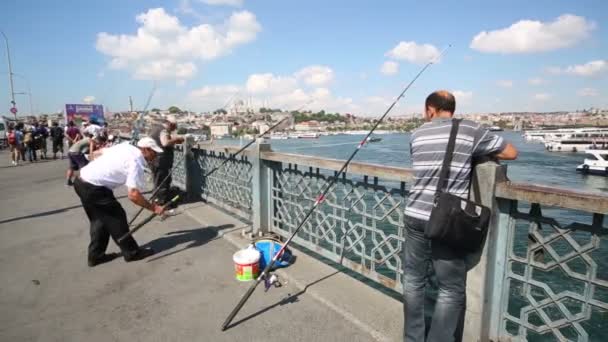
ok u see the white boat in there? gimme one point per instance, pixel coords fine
(596, 163)
(310, 135)
(279, 136)
(579, 142)
(544, 136)
(495, 129)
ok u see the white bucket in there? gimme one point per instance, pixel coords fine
(247, 264)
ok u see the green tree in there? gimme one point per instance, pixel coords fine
(220, 111)
(174, 109)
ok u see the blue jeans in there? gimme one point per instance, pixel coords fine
(451, 272)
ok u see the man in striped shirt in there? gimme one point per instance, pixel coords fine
(427, 148)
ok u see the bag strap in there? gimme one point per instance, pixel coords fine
(447, 159)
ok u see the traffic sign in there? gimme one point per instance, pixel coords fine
(14, 110)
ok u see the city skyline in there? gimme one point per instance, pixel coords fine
(347, 57)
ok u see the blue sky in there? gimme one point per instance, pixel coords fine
(348, 56)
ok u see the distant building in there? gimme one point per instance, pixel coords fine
(221, 129)
(308, 126)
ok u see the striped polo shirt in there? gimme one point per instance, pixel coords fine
(428, 144)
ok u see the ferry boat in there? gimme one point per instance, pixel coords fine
(544, 136)
(495, 129)
(279, 136)
(596, 163)
(579, 142)
(373, 139)
(309, 135)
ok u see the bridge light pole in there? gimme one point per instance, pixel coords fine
(10, 75)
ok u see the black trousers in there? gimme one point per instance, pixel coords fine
(160, 171)
(107, 218)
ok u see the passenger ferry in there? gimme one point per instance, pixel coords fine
(544, 136)
(596, 163)
(579, 142)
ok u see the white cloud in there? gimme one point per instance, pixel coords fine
(236, 3)
(536, 81)
(462, 97)
(587, 92)
(88, 99)
(504, 83)
(590, 69)
(316, 75)
(299, 89)
(542, 96)
(527, 36)
(414, 52)
(389, 68)
(161, 40)
(270, 84)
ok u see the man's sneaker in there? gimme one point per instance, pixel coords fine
(102, 259)
(69, 183)
(141, 253)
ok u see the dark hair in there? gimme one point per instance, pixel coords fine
(441, 100)
(71, 123)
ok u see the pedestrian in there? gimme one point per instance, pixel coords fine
(43, 135)
(15, 139)
(21, 132)
(57, 139)
(162, 165)
(119, 165)
(427, 149)
(77, 155)
(72, 133)
(30, 144)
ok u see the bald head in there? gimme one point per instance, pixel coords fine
(440, 103)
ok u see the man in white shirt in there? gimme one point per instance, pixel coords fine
(119, 165)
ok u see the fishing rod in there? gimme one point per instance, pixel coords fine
(140, 119)
(157, 189)
(146, 220)
(155, 192)
(320, 199)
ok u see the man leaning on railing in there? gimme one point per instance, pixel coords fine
(428, 146)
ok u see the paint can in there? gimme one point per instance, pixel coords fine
(247, 264)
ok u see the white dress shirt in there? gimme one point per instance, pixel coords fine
(122, 164)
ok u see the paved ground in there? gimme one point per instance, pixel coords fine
(183, 293)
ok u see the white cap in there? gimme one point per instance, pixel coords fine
(172, 119)
(150, 143)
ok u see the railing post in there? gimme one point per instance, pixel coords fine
(187, 164)
(260, 193)
(480, 265)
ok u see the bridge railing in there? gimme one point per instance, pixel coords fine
(543, 271)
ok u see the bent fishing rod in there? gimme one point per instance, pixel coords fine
(320, 199)
(157, 189)
(146, 220)
(209, 173)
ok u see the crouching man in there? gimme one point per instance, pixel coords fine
(119, 165)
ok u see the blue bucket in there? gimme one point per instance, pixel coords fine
(269, 248)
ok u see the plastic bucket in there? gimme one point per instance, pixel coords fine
(269, 248)
(246, 264)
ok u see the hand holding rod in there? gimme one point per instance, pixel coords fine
(318, 201)
(146, 220)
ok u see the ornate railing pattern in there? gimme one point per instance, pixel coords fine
(360, 219)
(555, 284)
(178, 177)
(229, 186)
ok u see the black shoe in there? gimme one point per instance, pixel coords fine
(141, 253)
(69, 183)
(102, 259)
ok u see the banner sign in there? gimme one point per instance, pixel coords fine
(80, 113)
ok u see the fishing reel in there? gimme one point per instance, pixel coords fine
(271, 280)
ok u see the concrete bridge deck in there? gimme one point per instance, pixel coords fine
(182, 293)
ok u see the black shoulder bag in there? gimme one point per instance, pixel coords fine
(456, 222)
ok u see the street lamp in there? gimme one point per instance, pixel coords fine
(10, 76)
(29, 90)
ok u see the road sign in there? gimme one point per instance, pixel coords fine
(14, 110)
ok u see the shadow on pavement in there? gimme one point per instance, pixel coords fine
(47, 213)
(192, 237)
(290, 299)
